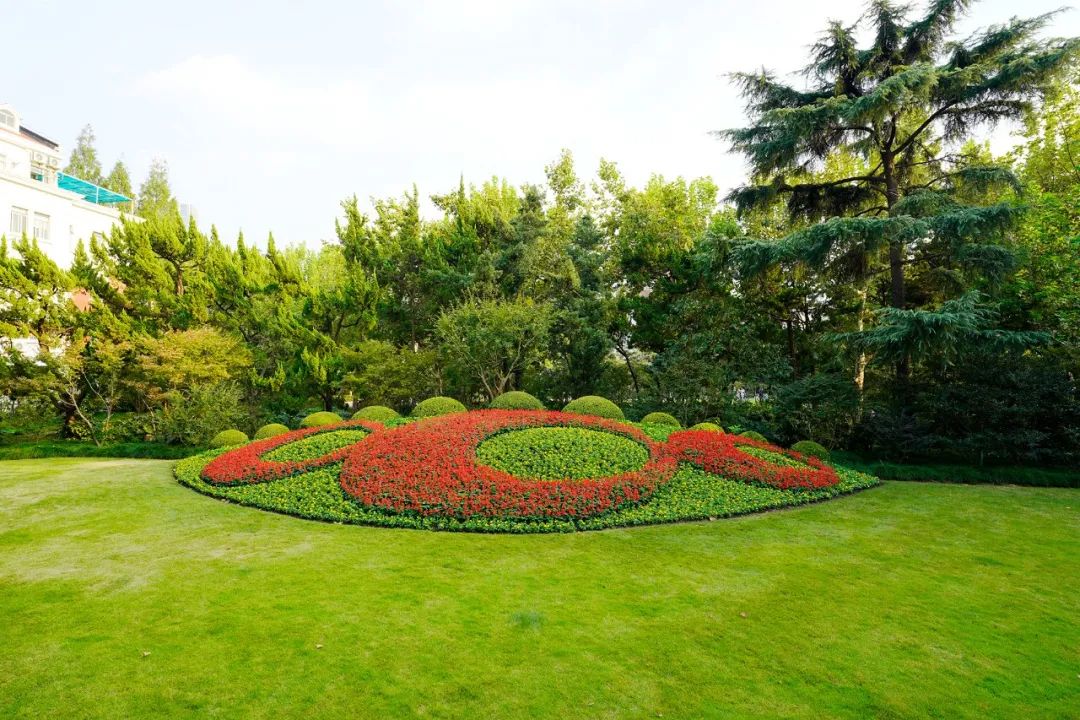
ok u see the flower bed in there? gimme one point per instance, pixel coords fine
(430, 468)
(246, 464)
(724, 455)
(513, 471)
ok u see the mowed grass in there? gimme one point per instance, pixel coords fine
(126, 595)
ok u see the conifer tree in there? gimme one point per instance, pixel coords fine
(84, 163)
(903, 104)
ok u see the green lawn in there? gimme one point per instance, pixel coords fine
(126, 595)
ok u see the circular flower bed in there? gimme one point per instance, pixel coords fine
(512, 470)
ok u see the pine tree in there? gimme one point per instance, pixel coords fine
(902, 105)
(84, 163)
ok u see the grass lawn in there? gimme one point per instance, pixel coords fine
(125, 595)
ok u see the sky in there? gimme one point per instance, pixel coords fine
(270, 114)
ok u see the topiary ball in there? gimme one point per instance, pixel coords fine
(811, 449)
(754, 435)
(595, 405)
(376, 413)
(271, 430)
(437, 406)
(661, 418)
(324, 417)
(707, 426)
(516, 400)
(225, 438)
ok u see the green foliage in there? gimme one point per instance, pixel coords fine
(707, 426)
(516, 400)
(195, 415)
(554, 453)
(811, 449)
(316, 445)
(73, 448)
(227, 438)
(437, 406)
(754, 435)
(155, 195)
(661, 418)
(84, 163)
(270, 430)
(377, 413)
(492, 341)
(594, 405)
(318, 419)
(821, 406)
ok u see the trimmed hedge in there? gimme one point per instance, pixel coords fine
(707, 426)
(661, 418)
(377, 413)
(811, 449)
(595, 405)
(516, 400)
(227, 438)
(317, 419)
(271, 430)
(438, 405)
(754, 435)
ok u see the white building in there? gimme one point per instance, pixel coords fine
(38, 200)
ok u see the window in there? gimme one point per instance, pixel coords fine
(3, 162)
(18, 222)
(41, 227)
(7, 119)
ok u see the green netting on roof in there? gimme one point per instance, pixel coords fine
(90, 191)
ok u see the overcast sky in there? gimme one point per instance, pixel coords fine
(270, 113)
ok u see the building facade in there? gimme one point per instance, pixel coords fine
(40, 201)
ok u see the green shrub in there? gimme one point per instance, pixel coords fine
(661, 418)
(225, 438)
(754, 435)
(194, 416)
(707, 426)
(320, 418)
(271, 430)
(437, 406)
(376, 413)
(594, 405)
(516, 400)
(810, 448)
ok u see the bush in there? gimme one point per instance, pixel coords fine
(516, 400)
(661, 418)
(811, 449)
(376, 413)
(594, 405)
(225, 438)
(437, 406)
(707, 426)
(270, 430)
(196, 415)
(754, 435)
(320, 418)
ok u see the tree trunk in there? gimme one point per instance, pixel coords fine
(897, 285)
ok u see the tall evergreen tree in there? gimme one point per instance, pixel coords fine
(119, 179)
(84, 163)
(902, 104)
(155, 195)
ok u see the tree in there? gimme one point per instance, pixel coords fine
(494, 341)
(155, 196)
(84, 163)
(119, 181)
(901, 105)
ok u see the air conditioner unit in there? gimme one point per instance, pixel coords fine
(39, 157)
(54, 162)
